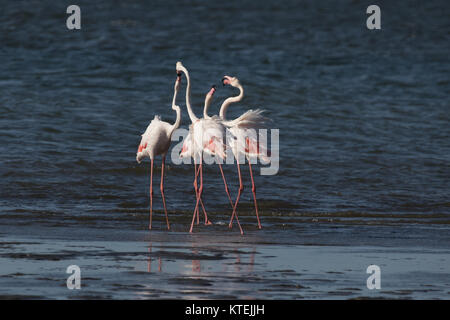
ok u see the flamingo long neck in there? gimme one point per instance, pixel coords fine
(188, 96)
(227, 102)
(177, 110)
(205, 109)
(208, 100)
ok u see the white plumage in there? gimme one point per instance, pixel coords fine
(244, 128)
(156, 141)
(206, 135)
(244, 139)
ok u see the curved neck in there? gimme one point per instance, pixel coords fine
(188, 96)
(208, 100)
(177, 109)
(178, 119)
(227, 102)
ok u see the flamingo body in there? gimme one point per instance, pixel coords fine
(245, 140)
(155, 140)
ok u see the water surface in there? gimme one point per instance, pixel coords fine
(364, 149)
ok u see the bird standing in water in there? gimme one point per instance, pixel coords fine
(156, 141)
(207, 136)
(188, 151)
(245, 141)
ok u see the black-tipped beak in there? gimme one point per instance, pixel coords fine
(214, 87)
(223, 81)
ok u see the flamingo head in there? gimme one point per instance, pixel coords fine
(232, 81)
(212, 90)
(179, 67)
(209, 95)
(177, 82)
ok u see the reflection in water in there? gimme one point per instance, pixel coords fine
(194, 270)
(199, 256)
(250, 264)
(238, 262)
(149, 261)
(196, 267)
(252, 260)
(196, 264)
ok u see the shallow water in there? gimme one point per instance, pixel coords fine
(364, 150)
(211, 265)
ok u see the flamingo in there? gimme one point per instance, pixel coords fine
(187, 151)
(156, 141)
(245, 140)
(206, 137)
(188, 148)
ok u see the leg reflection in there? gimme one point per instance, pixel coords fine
(149, 260)
(196, 267)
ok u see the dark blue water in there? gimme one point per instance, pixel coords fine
(363, 117)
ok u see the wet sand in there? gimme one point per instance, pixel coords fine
(363, 143)
(213, 264)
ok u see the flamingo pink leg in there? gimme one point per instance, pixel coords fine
(241, 188)
(207, 221)
(254, 193)
(151, 194)
(229, 197)
(196, 195)
(226, 185)
(200, 191)
(162, 191)
(196, 190)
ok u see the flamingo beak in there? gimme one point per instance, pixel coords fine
(212, 90)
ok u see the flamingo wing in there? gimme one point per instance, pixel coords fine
(209, 137)
(255, 148)
(215, 146)
(251, 119)
(187, 149)
(246, 142)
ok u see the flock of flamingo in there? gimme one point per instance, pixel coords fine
(207, 135)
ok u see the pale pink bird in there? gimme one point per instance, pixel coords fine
(207, 136)
(244, 139)
(187, 151)
(156, 141)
